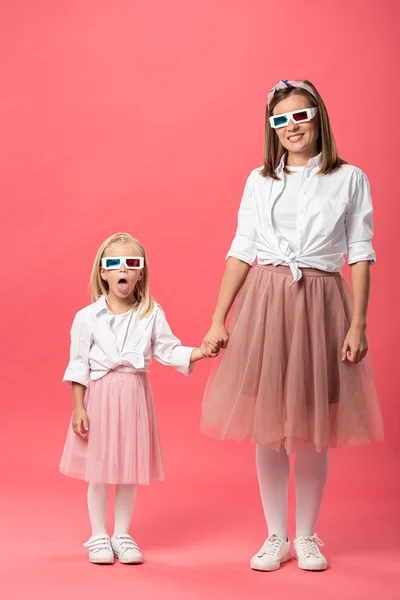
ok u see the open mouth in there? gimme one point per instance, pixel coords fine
(123, 286)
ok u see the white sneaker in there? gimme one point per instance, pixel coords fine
(126, 549)
(100, 551)
(274, 552)
(308, 554)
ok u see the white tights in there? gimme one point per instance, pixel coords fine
(310, 475)
(97, 498)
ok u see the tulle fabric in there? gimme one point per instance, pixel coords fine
(281, 380)
(123, 445)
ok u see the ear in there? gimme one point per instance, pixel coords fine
(103, 274)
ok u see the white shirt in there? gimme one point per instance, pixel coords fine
(285, 211)
(101, 341)
(120, 325)
(334, 218)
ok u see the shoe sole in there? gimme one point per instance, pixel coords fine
(129, 561)
(101, 561)
(307, 567)
(272, 567)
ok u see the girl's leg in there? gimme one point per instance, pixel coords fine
(310, 475)
(125, 496)
(273, 476)
(97, 499)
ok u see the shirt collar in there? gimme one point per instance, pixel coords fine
(100, 305)
(313, 162)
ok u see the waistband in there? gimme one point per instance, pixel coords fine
(306, 272)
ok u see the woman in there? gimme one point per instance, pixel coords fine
(295, 377)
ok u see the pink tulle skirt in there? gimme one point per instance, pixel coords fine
(123, 444)
(281, 380)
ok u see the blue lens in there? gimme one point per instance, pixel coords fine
(280, 120)
(113, 262)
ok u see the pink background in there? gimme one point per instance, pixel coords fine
(147, 118)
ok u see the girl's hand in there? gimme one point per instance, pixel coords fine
(80, 423)
(355, 345)
(217, 333)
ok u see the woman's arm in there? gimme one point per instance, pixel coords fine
(234, 277)
(241, 256)
(360, 281)
(355, 346)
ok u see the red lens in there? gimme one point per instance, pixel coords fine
(300, 116)
(133, 262)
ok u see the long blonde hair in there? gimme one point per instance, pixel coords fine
(141, 293)
(273, 149)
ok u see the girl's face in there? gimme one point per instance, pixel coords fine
(298, 138)
(121, 281)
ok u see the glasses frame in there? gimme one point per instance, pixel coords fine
(122, 261)
(311, 112)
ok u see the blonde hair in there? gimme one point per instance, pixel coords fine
(273, 149)
(141, 293)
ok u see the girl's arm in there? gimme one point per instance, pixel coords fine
(80, 423)
(77, 373)
(355, 346)
(168, 350)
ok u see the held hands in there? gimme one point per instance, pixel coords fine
(80, 423)
(210, 348)
(355, 345)
(216, 338)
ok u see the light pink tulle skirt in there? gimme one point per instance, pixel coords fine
(281, 380)
(123, 444)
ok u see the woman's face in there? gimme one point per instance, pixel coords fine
(298, 138)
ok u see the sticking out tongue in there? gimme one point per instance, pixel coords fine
(123, 286)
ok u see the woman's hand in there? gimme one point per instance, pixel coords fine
(80, 423)
(217, 336)
(355, 345)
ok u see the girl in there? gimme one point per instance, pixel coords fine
(114, 436)
(291, 378)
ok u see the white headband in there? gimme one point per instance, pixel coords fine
(285, 84)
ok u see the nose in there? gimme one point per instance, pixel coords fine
(122, 268)
(292, 125)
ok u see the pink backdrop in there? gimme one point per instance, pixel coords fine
(147, 118)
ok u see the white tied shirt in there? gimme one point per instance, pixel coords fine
(102, 341)
(286, 209)
(333, 218)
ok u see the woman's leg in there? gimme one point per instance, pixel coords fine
(273, 476)
(310, 475)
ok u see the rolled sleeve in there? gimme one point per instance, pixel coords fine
(78, 370)
(359, 223)
(167, 348)
(243, 246)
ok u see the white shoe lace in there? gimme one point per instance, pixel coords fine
(271, 546)
(127, 543)
(309, 546)
(98, 544)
